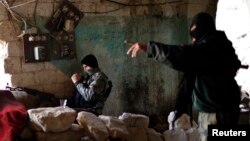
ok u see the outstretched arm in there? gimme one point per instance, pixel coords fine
(158, 51)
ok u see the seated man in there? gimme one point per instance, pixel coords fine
(92, 88)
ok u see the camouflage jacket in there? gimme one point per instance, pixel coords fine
(91, 91)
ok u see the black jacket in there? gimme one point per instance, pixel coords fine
(210, 66)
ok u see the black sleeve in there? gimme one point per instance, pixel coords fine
(175, 56)
(198, 58)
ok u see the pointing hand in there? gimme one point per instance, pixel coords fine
(135, 47)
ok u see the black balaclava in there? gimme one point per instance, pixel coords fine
(204, 25)
(90, 60)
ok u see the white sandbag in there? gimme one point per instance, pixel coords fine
(116, 127)
(152, 135)
(181, 129)
(193, 134)
(183, 122)
(135, 120)
(75, 133)
(137, 134)
(175, 135)
(94, 125)
(51, 119)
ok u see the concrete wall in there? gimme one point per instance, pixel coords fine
(140, 85)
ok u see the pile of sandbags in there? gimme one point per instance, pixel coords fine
(65, 124)
(127, 127)
(181, 129)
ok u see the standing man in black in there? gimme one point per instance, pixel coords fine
(209, 64)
